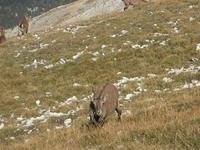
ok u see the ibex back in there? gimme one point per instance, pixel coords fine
(127, 3)
(104, 103)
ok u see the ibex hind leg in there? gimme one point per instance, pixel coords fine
(119, 113)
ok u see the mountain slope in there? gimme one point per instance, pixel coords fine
(66, 14)
(151, 53)
(11, 11)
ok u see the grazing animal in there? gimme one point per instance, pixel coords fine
(23, 26)
(127, 3)
(2, 34)
(104, 103)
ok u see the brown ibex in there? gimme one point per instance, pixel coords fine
(23, 25)
(127, 3)
(104, 103)
(2, 34)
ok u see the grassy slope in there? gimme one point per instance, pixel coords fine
(158, 121)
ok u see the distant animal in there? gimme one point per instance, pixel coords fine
(23, 25)
(2, 34)
(104, 103)
(127, 3)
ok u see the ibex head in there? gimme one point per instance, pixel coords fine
(97, 104)
(28, 17)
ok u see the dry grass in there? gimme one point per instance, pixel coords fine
(168, 120)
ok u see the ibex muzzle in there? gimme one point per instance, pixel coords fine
(104, 103)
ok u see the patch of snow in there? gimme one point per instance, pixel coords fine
(192, 69)
(173, 23)
(191, 19)
(129, 96)
(193, 6)
(48, 130)
(36, 63)
(87, 98)
(54, 41)
(119, 73)
(138, 46)
(48, 94)
(78, 55)
(73, 30)
(49, 66)
(113, 36)
(163, 43)
(29, 132)
(73, 112)
(20, 118)
(43, 45)
(12, 138)
(140, 89)
(69, 101)
(150, 13)
(151, 75)
(62, 61)
(95, 53)
(198, 47)
(150, 41)
(2, 126)
(94, 59)
(158, 91)
(157, 34)
(176, 30)
(125, 44)
(36, 36)
(38, 103)
(77, 85)
(42, 119)
(125, 80)
(123, 32)
(103, 46)
(34, 50)
(68, 122)
(18, 54)
(167, 80)
(16, 97)
(194, 59)
(59, 127)
(195, 83)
